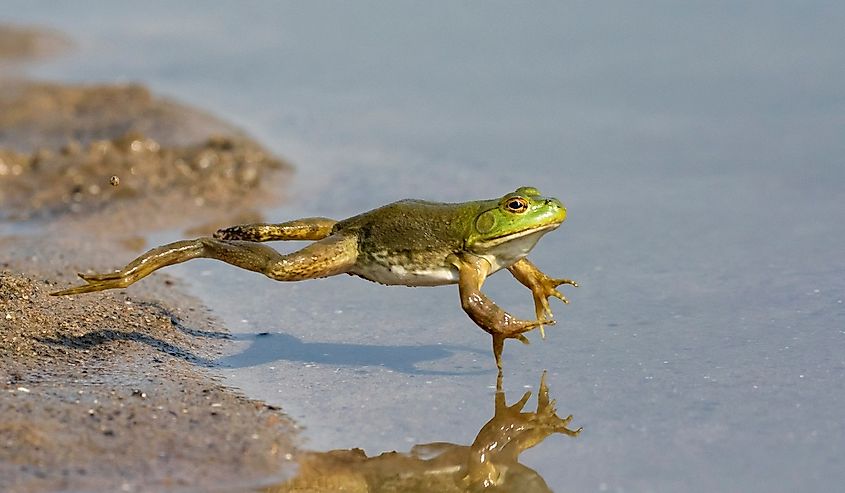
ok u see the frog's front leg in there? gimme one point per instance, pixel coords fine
(327, 257)
(309, 228)
(500, 324)
(541, 286)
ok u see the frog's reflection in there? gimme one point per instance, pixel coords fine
(489, 464)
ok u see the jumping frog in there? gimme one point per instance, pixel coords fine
(410, 242)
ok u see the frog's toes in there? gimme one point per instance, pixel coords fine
(545, 322)
(557, 294)
(558, 282)
(561, 427)
(517, 406)
(542, 308)
(544, 314)
(516, 331)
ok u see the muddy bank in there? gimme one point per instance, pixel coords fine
(220, 172)
(37, 115)
(20, 44)
(109, 392)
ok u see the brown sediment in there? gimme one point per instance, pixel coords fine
(103, 392)
(220, 171)
(46, 115)
(110, 392)
(22, 43)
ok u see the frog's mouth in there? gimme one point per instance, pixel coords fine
(530, 236)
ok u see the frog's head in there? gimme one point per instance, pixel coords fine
(518, 219)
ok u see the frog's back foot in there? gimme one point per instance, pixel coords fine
(92, 286)
(172, 253)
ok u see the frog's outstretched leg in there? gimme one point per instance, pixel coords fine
(541, 286)
(500, 324)
(310, 228)
(332, 255)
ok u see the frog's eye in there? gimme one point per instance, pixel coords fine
(516, 205)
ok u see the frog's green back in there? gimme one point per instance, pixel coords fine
(414, 226)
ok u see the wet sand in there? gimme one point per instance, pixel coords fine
(108, 392)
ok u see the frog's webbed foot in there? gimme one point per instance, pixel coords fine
(310, 228)
(481, 309)
(542, 288)
(95, 282)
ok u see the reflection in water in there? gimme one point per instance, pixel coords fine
(490, 463)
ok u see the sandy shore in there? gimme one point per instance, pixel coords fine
(109, 392)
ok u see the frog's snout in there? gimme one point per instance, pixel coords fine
(559, 210)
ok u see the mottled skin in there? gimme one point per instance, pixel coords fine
(410, 242)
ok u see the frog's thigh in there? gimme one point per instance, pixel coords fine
(333, 255)
(327, 257)
(311, 228)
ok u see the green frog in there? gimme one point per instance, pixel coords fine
(409, 242)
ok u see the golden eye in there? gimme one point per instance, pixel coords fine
(516, 205)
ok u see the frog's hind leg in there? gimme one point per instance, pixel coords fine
(311, 228)
(332, 255)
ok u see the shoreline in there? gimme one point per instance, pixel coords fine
(110, 392)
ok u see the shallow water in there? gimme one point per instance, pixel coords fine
(698, 151)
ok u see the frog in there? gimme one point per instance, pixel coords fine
(409, 242)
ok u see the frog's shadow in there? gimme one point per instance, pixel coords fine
(267, 347)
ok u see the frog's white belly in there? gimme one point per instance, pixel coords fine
(399, 274)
